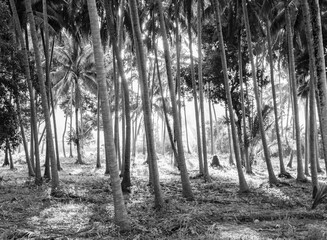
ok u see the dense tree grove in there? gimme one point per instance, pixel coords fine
(251, 73)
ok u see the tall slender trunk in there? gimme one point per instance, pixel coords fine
(77, 125)
(211, 123)
(245, 138)
(121, 217)
(187, 190)
(320, 69)
(195, 99)
(312, 103)
(300, 172)
(272, 177)
(271, 63)
(126, 183)
(146, 103)
(203, 127)
(307, 131)
(242, 182)
(186, 129)
(71, 122)
(63, 135)
(98, 163)
(38, 178)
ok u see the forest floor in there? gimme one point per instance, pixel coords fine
(219, 211)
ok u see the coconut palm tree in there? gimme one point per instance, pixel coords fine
(46, 112)
(242, 182)
(272, 177)
(137, 37)
(121, 217)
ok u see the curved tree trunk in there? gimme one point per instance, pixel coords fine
(243, 184)
(187, 190)
(54, 172)
(300, 172)
(146, 103)
(121, 217)
(272, 177)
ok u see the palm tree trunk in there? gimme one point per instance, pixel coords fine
(38, 178)
(146, 103)
(272, 177)
(71, 123)
(126, 183)
(307, 130)
(121, 217)
(211, 123)
(203, 127)
(98, 164)
(46, 112)
(320, 69)
(63, 136)
(77, 133)
(245, 138)
(195, 99)
(186, 129)
(187, 190)
(242, 182)
(300, 172)
(279, 141)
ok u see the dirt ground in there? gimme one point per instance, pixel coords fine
(219, 211)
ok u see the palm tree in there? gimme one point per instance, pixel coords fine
(38, 177)
(321, 70)
(266, 8)
(203, 127)
(272, 177)
(300, 172)
(145, 102)
(126, 183)
(188, 9)
(243, 184)
(76, 66)
(121, 217)
(46, 112)
(187, 190)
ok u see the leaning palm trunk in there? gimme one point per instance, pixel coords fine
(46, 112)
(300, 172)
(312, 105)
(121, 217)
(27, 72)
(126, 183)
(243, 184)
(187, 190)
(272, 177)
(146, 103)
(279, 141)
(321, 70)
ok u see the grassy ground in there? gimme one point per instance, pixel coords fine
(85, 211)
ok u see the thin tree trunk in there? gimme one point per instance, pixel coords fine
(279, 141)
(187, 190)
(71, 124)
(307, 130)
(146, 103)
(203, 127)
(98, 164)
(63, 136)
(272, 177)
(300, 172)
(242, 182)
(121, 217)
(195, 99)
(211, 122)
(186, 129)
(245, 138)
